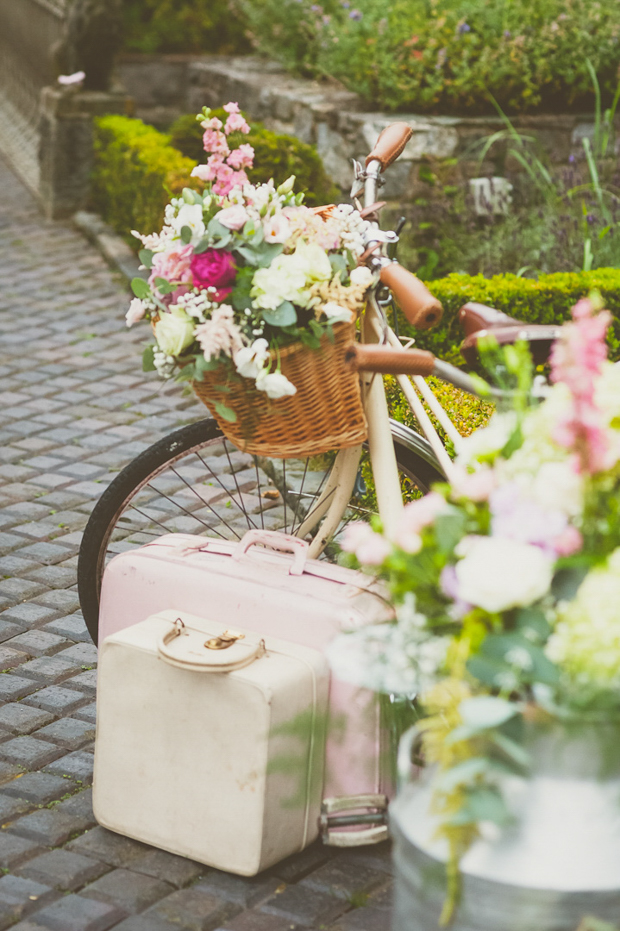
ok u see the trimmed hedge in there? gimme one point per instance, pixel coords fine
(136, 171)
(547, 299)
(277, 155)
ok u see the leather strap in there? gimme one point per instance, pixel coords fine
(198, 656)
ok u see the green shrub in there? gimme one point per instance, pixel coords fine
(446, 55)
(183, 26)
(277, 155)
(546, 300)
(136, 171)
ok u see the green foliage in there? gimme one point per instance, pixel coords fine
(136, 170)
(183, 26)
(546, 300)
(277, 155)
(447, 55)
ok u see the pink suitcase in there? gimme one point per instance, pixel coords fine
(266, 583)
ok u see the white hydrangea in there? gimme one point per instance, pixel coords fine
(586, 639)
(401, 658)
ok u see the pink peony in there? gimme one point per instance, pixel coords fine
(214, 269)
(243, 157)
(174, 266)
(233, 218)
(477, 486)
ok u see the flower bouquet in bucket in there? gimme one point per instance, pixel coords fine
(506, 584)
(252, 297)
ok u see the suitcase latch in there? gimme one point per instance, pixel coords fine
(224, 640)
(366, 812)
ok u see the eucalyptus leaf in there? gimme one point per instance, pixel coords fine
(338, 264)
(488, 671)
(186, 234)
(140, 288)
(567, 581)
(512, 750)
(486, 711)
(533, 624)
(284, 315)
(225, 412)
(482, 804)
(148, 363)
(247, 253)
(449, 529)
(164, 286)
(146, 257)
(203, 245)
(268, 252)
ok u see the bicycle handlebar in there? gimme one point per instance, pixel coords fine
(419, 306)
(390, 144)
(371, 357)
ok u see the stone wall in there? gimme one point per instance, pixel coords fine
(328, 116)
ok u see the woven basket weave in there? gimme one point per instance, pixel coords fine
(326, 412)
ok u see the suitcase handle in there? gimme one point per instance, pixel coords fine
(215, 659)
(277, 541)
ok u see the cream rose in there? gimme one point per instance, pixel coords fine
(275, 385)
(174, 332)
(497, 574)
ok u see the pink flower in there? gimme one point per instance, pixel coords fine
(414, 518)
(215, 142)
(220, 334)
(204, 172)
(174, 266)
(568, 542)
(214, 269)
(212, 123)
(576, 359)
(233, 218)
(227, 179)
(276, 228)
(369, 547)
(231, 107)
(243, 157)
(477, 486)
(236, 123)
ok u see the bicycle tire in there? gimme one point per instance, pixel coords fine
(415, 459)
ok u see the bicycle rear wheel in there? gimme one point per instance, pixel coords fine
(195, 481)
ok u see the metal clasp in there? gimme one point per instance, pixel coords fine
(362, 810)
(224, 640)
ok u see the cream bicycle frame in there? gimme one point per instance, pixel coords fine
(334, 499)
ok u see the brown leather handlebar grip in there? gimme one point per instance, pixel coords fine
(369, 357)
(419, 306)
(390, 144)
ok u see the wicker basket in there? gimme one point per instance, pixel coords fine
(325, 413)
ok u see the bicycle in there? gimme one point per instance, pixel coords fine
(196, 481)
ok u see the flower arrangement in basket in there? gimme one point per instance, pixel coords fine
(252, 297)
(507, 585)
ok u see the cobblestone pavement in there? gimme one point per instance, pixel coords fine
(74, 408)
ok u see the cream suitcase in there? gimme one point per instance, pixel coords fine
(208, 748)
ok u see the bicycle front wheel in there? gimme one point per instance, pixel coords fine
(195, 481)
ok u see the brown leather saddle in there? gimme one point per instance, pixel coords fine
(478, 320)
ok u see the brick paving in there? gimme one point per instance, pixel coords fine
(74, 408)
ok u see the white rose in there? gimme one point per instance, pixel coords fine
(275, 385)
(336, 313)
(362, 276)
(250, 360)
(281, 281)
(497, 574)
(190, 215)
(233, 218)
(135, 312)
(174, 332)
(313, 260)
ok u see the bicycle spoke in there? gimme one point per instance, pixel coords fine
(300, 493)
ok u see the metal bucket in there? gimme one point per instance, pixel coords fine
(558, 861)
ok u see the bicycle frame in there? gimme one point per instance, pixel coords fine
(334, 498)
